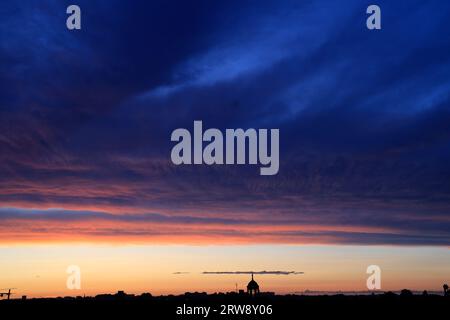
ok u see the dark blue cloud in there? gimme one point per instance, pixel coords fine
(363, 115)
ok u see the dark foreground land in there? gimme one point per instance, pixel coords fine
(231, 306)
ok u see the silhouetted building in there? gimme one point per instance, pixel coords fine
(252, 287)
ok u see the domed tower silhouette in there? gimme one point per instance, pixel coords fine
(252, 287)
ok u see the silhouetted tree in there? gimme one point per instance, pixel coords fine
(446, 292)
(406, 293)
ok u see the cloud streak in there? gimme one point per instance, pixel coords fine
(24, 225)
(264, 272)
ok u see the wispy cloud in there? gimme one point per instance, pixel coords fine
(181, 272)
(277, 272)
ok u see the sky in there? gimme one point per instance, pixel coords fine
(86, 117)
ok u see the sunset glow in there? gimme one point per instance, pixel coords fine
(358, 120)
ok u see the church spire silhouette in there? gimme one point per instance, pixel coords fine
(252, 287)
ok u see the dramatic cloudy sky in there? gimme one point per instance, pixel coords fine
(86, 118)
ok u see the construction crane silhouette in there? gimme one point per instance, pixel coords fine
(8, 294)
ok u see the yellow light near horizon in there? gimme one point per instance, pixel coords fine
(41, 270)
